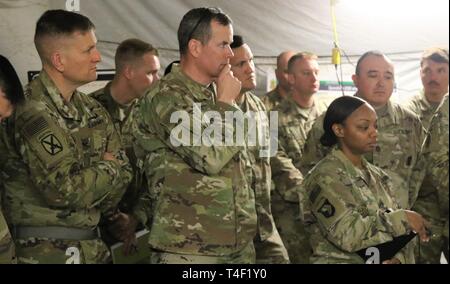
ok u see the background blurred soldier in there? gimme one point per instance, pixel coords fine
(276, 96)
(269, 246)
(434, 75)
(296, 115)
(432, 179)
(137, 67)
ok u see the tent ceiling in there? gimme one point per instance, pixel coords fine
(273, 26)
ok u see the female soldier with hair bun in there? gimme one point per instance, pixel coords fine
(350, 206)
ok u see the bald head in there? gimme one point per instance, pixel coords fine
(281, 72)
(283, 59)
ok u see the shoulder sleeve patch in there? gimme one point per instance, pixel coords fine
(46, 140)
(329, 210)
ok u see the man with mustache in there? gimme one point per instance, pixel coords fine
(296, 115)
(434, 75)
(400, 132)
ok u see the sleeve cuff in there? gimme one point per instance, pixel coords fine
(140, 216)
(398, 222)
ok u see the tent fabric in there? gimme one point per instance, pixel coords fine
(401, 28)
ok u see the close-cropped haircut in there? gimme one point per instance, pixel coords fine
(131, 50)
(300, 56)
(9, 82)
(238, 41)
(364, 56)
(436, 54)
(196, 24)
(338, 111)
(57, 23)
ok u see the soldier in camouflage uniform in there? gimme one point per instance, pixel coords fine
(400, 133)
(276, 96)
(432, 200)
(64, 161)
(434, 75)
(7, 250)
(269, 246)
(11, 94)
(349, 205)
(296, 115)
(200, 207)
(137, 67)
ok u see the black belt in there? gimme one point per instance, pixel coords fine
(54, 232)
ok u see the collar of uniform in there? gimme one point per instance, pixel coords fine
(197, 90)
(390, 115)
(276, 96)
(67, 110)
(126, 110)
(425, 105)
(353, 171)
(247, 103)
(305, 113)
(119, 112)
(422, 102)
(115, 108)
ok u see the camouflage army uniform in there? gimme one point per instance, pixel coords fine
(121, 117)
(422, 107)
(293, 127)
(432, 200)
(400, 136)
(268, 244)
(199, 200)
(7, 252)
(58, 184)
(272, 99)
(349, 209)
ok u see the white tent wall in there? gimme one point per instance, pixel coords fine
(402, 29)
(17, 24)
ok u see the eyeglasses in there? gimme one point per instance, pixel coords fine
(196, 25)
(209, 13)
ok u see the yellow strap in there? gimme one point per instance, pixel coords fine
(333, 19)
(336, 55)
